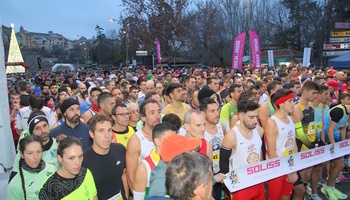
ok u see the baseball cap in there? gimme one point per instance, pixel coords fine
(174, 145)
(333, 83)
(331, 72)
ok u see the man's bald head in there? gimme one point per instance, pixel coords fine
(82, 87)
(149, 86)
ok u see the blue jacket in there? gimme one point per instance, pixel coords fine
(81, 131)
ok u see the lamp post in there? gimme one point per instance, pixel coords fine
(126, 42)
(126, 47)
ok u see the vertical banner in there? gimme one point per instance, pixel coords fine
(306, 57)
(7, 148)
(270, 55)
(238, 50)
(255, 47)
(159, 58)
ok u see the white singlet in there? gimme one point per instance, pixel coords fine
(146, 146)
(286, 137)
(247, 151)
(216, 141)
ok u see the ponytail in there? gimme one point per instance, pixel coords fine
(22, 178)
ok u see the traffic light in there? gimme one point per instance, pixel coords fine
(39, 63)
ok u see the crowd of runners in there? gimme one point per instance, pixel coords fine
(173, 133)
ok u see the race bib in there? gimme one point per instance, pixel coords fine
(216, 157)
(117, 197)
(311, 129)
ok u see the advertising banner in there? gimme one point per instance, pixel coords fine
(339, 40)
(334, 53)
(238, 50)
(306, 57)
(340, 33)
(336, 46)
(255, 47)
(159, 58)
(342, 25)
(270, 55)
(260, 172)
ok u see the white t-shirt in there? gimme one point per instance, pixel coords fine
(24, 113)
(263, 98)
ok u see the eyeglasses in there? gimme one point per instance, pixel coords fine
(123, 114)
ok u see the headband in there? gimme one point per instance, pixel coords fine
(283, 99)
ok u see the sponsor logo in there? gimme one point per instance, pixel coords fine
(251, 147)
(344, 144)
(290, 133)
(291, 161)
(332, 149)
(263, 167)
(311, 153)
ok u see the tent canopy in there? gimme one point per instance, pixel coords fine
(62, 66)
(340, 62)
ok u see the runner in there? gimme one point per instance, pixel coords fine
(335, 126)
(176, 106)
(33, 171)
(266, 109)
(106, 161)
(280, 141)
(306, 137)
(122, 132)
(214, 133)
(144, 168)
(133, 110)
(194, 123)
(140, 144)
(242, 146)
(71, 181)
(230, 108)
(39, 126)
(72, 126)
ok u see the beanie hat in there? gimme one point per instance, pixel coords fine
(149, 76)
(68, 103)
(34, 118)
(204, 93)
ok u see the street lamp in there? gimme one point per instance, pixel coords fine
(126, 42)
(126, 46)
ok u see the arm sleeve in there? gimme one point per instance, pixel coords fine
(336, 114)
(224, 159)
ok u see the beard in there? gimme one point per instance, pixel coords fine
(249, 126)
(75, 119)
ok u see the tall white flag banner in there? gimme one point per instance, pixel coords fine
(263, 171)
(306, 57)
(270, 55)
(7, 148)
